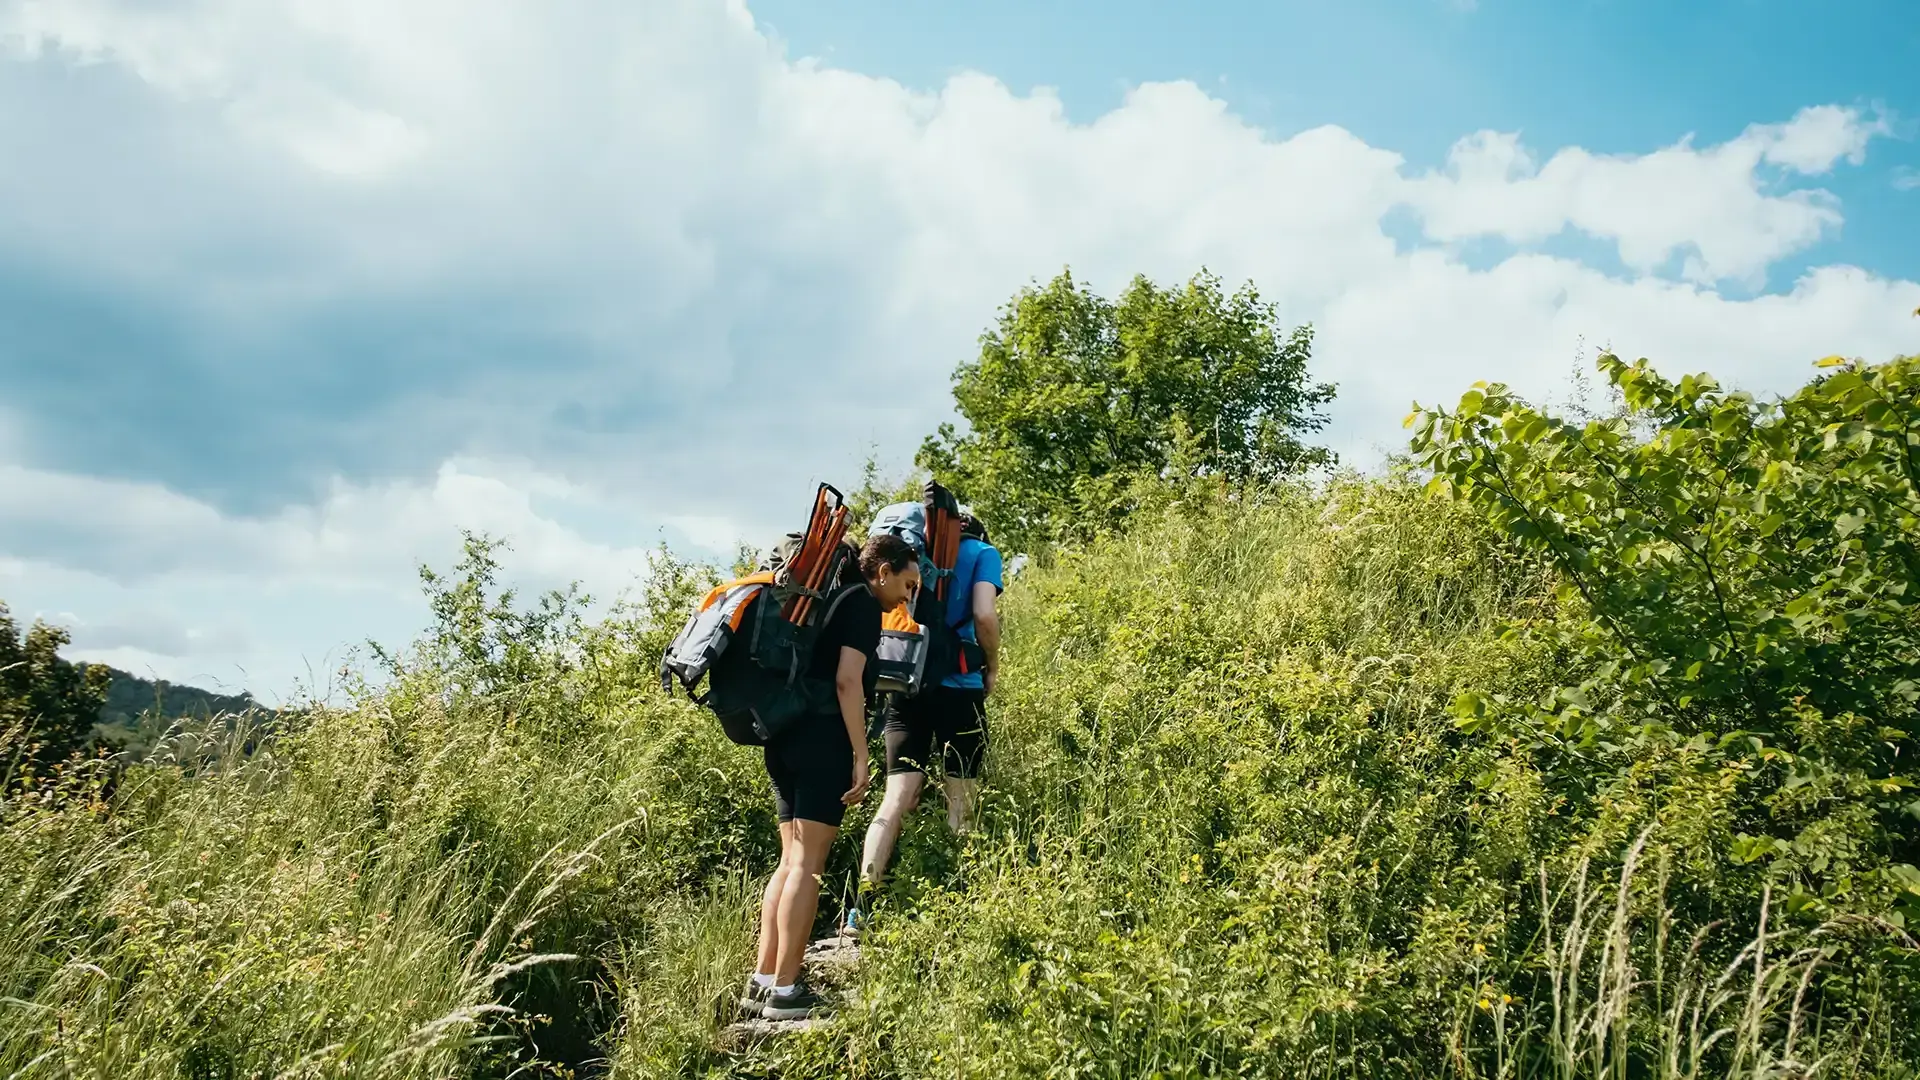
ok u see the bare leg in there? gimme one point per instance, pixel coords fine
(800, 895)
(770, 905)
(903, 795)
(963, 799)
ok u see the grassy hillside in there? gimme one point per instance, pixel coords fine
(138, 711)
(1232, 828)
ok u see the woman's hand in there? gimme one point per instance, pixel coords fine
(861, 777)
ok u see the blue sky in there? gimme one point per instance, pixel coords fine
(1614, 76)
(291, 293)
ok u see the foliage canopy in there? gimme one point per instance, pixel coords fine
(1745, 578)
(48, 706)
(1075, 400)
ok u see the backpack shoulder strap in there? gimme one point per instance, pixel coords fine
(814, 628)
(833, 605)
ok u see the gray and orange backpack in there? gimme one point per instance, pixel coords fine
(751, 639)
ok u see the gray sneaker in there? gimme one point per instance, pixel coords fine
(753, 1000)
(799, 1005)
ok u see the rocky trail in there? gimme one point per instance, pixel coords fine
(831, 964)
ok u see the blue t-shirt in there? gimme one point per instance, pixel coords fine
(976, 561)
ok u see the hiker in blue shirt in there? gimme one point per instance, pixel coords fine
(947, 720)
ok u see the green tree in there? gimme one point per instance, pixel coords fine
(1075, 400)
(481, 644)
(1747, 570)
(47, 705)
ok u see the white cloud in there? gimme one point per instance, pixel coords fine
(1521, 323)
(144, 575)
(1714, 202)
(357, 536)
(1817, 137)
(152, 633)
(711, 533)
(721, 274)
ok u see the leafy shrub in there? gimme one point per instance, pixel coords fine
(47, 705)
(1738, 584)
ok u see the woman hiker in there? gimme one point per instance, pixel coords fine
(819, 768)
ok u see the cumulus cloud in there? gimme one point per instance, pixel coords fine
(1522, 322)
(1714, 204)
(356, 535)
(292, 289)
(155, 633)
(170, 583)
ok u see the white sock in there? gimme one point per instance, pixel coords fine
(786, 991)
(762, 981)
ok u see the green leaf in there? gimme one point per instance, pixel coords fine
(1749, 849)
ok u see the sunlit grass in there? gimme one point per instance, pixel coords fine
(1230, 829)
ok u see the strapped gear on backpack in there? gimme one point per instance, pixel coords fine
(760, 690)
(919, 646)
(943, 533)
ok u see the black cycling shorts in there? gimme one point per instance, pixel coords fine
(811, 765)
(943, 718)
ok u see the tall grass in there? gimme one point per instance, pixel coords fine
(1230, 829)
(1605, 1016)
(1233, 830)
(247, 920)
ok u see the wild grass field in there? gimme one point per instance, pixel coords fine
(1233, 829)
(1591, 757)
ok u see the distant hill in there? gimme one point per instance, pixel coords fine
(138, 711)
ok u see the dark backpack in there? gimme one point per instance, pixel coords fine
(752, 639)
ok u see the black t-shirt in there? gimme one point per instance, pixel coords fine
(855, 625)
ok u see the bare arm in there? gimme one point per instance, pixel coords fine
(986, 627)
(848, 688)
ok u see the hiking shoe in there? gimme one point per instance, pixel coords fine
(799, 1005)
(753, 999)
